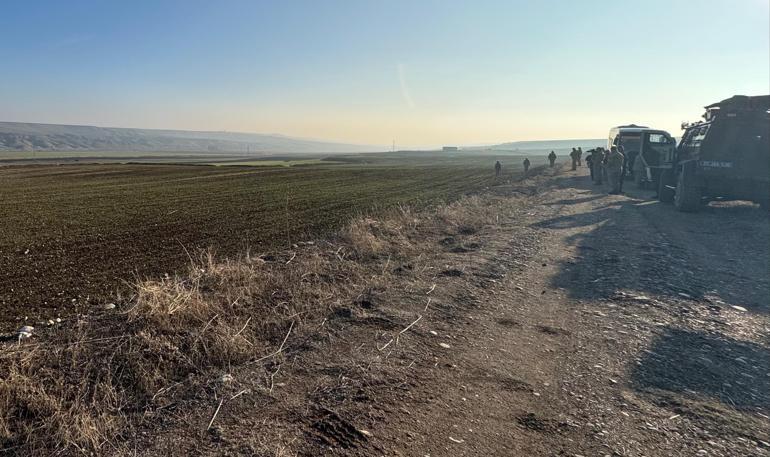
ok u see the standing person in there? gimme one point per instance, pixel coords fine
(622, 151)
(589, 159)
(526, 165)
(552, 158)
(580, 156)
(574, 156)
(604, 165)
(614, 166)
(628, 168)
(597, 160)
(498, 169)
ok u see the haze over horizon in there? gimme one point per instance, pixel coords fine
(421, 73)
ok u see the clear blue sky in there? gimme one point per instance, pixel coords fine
(420, 72)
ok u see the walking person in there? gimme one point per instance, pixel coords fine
(552, 158)
(526, 165)
(589, 159)
(498, 169)
(580, 156)
(614, 166)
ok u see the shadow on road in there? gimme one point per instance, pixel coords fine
(644, 246)
(711, 260)
(733, 372)
(574, 201)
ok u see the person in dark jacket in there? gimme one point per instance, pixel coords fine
(589, 159)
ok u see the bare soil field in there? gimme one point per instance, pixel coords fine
(73, 235)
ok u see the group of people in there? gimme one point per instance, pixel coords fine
(604, 165)
(607, 166)
(499, 167)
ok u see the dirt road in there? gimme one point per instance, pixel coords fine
(581, 324)
(639, 331)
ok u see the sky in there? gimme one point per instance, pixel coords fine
(417, 72)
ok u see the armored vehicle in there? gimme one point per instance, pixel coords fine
(726, 155)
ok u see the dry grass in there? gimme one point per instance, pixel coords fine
(84, 385)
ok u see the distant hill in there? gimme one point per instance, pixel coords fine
(546, 145)
(17, 136)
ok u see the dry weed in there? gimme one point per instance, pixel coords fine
(77, 390)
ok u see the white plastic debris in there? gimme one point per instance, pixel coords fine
(26, 331)
(444, 345)
(108, 306)
(739, 308)
(227, 377)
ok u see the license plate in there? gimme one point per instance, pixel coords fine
(715, 164)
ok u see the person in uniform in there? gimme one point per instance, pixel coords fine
(552, 158)
(589, 159)
(597, 159)
(574, 156)
(498, 168)
(622, 151)
(580, 156)
(526, 165)
(614, 167)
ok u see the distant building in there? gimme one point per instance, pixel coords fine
(450, 148)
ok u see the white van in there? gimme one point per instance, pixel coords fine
(648, 151)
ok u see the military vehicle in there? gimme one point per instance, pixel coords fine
(725, 156)
(648, 151)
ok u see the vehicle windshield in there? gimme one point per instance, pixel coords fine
(630, 142)
(658, 139)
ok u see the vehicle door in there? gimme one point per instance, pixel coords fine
(657, 149)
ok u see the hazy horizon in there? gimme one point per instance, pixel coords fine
(278, 134)
(423, 74)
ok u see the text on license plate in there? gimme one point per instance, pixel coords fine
(715, 164)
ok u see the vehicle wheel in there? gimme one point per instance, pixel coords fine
(665, 192)
(688, 194)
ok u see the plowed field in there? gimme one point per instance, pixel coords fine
(72, 235)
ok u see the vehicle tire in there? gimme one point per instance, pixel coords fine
(688, 194)
(666, 193)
